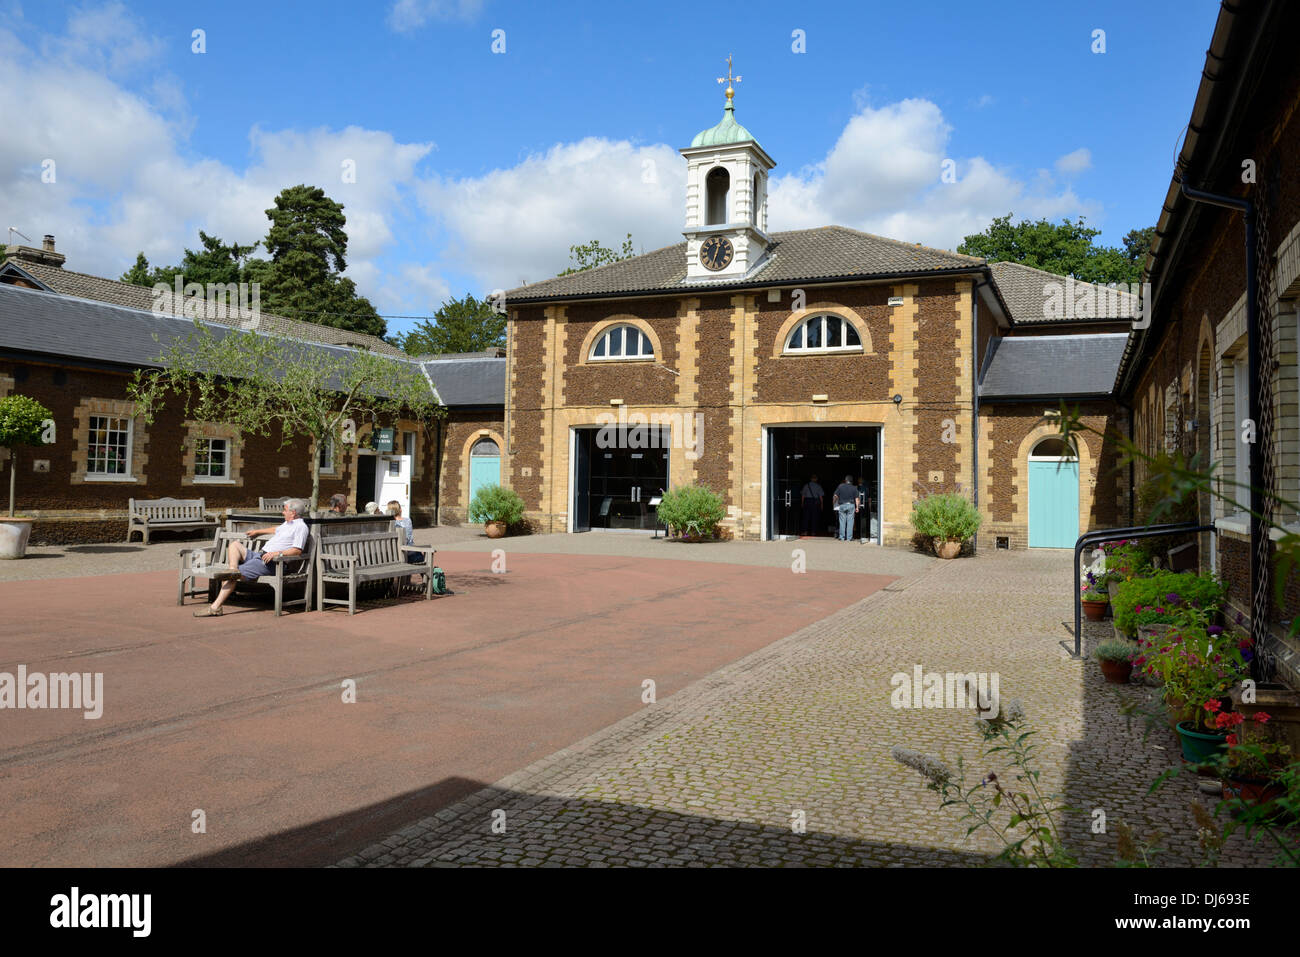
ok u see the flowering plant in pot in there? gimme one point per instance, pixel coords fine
(1195, 663)
(1094, 597)
(22, 422)
(1116, 660)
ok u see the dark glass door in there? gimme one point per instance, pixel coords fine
(582, 481)
(624, 470)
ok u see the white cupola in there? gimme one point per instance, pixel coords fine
(726, 198)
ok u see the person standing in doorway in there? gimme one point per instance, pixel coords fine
(812, 497)
(845, 501)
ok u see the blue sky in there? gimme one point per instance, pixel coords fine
(477, 170)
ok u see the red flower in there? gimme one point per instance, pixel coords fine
(1212, 705)
(1232, 739)
(1262, 717)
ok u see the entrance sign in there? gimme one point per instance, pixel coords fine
(381, 440)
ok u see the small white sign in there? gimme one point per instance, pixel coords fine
(895, 300)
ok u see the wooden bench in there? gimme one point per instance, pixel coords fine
(168, 514)
(204, 560)
(275, 504)
(355, 559)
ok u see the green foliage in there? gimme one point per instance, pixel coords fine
(693, 510)
(1125, 559)
(460, 325)
(215, 262)
(948, 516)
(1114, 650)
(593, 254)
(1007, 802)
(20, 421)
(1064, 248)
(1194, 667)
(492, 503)
(255, 382)
(1188, 589)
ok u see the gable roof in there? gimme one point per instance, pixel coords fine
(827, 253)
(1051, 367)
(1027, 291)
(85, 286)
(50, 325)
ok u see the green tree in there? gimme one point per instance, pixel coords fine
(459, 325)
(593, 254)
(255, 382)
(1065, 248)
(22, 422)
(140, 274)
(214, 262)
(308, 247)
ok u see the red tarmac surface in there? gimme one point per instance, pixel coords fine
(242, 716)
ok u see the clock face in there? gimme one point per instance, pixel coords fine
(716, 253)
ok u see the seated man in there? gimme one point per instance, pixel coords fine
(287, 541)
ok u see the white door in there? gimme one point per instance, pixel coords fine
(394, 482)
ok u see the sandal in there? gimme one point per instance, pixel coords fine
(210, 613)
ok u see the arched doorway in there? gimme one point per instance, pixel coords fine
(1053, 495)
(484, 465)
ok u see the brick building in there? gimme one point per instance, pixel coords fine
(747, 361)
(1187, 376)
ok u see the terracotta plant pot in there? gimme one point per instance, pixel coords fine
(1252, 791)
(1095, 610)
(1117, 672)
(495, 529)
(947, 549)
(14, 533)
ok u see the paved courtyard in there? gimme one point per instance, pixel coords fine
(716, 774)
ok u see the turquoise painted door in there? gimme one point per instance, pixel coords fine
(483, 470)
(1053, 504)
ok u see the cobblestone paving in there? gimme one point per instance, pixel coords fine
(713, 775)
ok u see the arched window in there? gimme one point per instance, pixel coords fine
(1052, 448)
(716, 186)
(757, 201)
(623, 342)
(485, 447)
(824, 333)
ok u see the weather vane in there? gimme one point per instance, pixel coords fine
(729, 79)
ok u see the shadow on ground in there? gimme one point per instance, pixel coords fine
(552, 831)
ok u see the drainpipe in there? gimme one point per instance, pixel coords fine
(975, 401)
(1258, 528)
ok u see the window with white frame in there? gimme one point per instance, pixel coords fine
(623, 342)
(326, 455)
(824, 333)
(212, 460)
(109, 450)
(1241, 450)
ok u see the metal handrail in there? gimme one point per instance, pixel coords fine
(1106, 535)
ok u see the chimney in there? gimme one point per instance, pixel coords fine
(45, 256)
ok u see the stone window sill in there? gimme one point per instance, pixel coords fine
(111, 478)
(204, 480)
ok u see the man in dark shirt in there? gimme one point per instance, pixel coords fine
(846, 503)
(812, 496)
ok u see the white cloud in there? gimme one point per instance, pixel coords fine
(412, 14)
(1075, 162)
(518, 223)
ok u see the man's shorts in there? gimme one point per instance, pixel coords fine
(254, 568)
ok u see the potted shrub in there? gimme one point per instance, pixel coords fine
(1164, 597)
(1116, 660)
(694, 511)
(947, 520)
(497, 508)
(1252, 769)
(21, 421)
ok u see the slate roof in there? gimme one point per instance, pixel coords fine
(1052, 366)
(1023, 290)
(48, 324)
(85, 286)
(800, 255)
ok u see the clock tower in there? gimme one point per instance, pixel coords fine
(726, 198)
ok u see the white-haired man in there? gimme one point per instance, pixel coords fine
(287, 541)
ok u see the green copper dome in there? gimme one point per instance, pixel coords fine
(726, 132)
